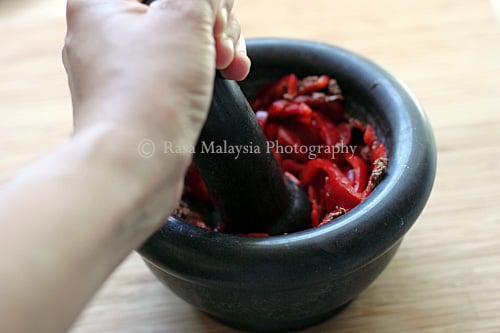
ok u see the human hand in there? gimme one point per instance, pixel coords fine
(146, 72)
(150, 69)
(135, 72)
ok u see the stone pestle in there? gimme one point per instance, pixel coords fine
(248, 187)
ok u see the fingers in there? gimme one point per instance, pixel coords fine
(240, 65)
(226, 39)
(222, 12)
(231, 57)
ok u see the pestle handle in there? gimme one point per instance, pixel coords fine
(240, 171)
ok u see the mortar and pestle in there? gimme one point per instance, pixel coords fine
(290, 281)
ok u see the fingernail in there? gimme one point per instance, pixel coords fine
(229, 41)
(241, 46)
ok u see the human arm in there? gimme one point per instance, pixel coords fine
(66, 222)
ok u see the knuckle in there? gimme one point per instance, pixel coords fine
(73, 7)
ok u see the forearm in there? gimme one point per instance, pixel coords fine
(69, 220)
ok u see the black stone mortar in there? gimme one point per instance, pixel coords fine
(288, 282)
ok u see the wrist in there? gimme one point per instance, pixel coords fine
(133, 172)
(87, 205)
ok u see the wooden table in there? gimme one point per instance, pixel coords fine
(445, 277)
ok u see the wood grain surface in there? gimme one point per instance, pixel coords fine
(446, 275)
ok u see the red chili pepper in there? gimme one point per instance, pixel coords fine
(306, 132)
(288, 138)
(277, 108)
(377, 149)
(345, 132)
(313, 83)
(200, 224)
(310, 112)
(335, 108)
(315, 214)
(330, 106)
(337, 187)
(291, 82)
(282, 109)
(377, 152)
(329, 133)
(339, 193)
(301, 110)
(357, 124)
(316, 101)
(369, 136)
(359, 171)
(271, 131)
(285, 87)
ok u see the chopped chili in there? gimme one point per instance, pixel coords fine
(343, 160)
